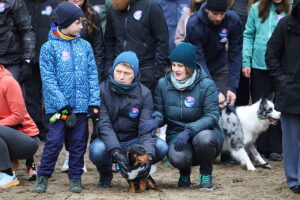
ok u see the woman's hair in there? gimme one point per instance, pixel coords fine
(264, 8)
(89, 15)
(189, 71)
(250, 2)
(194, 7)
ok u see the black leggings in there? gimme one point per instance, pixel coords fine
(15, 145)
(203, 149)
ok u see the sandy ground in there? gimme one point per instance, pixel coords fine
(231, 182)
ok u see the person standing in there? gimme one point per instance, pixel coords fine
(283, 63)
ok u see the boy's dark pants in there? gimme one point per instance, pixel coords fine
(75, 138)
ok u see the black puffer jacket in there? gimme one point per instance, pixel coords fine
(121, 115)
(40, 11)
(141, 29)
(17, 39)
(283, 62)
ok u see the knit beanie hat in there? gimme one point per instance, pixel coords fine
(185, 53)
(67, 13)
(217, 5)
(130, 58)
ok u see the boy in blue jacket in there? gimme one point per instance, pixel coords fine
(71, 92)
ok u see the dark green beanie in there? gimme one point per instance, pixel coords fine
(185, 53)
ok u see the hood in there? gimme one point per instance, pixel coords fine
(4, 72)
(53, 34)
(296, 3)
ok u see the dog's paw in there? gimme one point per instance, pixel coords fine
(267, 166)
(251, 168)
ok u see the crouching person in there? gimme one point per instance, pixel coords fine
(187, 101)
(71, 93)
(18, 133)
(126, 105)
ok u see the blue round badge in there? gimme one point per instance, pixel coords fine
(189, 101)
(223, 33)
(2, 7)
(134, 112)
(138, 15)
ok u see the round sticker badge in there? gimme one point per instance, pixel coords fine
(189, 101)
(138, 15)
(223, 33)
(97, 9)
(47, 10)
(65, 55)
(2, 7)
(134, 112)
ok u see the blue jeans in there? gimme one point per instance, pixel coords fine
(103, 161)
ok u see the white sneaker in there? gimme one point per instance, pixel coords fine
(7, 180)
(65, 166)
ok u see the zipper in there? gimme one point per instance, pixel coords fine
(181, 99)
(74, 70)
(125, 26)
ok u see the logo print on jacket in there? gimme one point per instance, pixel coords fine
(2, 6)
(138, 15)
(182, 8)
(134, 112)
(47, 10)
(189, 101)
(65, 56)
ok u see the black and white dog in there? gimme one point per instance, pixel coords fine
(242, 125)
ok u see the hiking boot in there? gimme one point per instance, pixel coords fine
(295, 189)
(105, 180)
(41, 184)
(75, 185)
(205, 182)
(184, 181)
(7, 181)
(275, 157)
(31, 172)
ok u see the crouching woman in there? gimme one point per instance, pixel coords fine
(187, 101)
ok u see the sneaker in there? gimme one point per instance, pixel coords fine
(65, 166)
(105, 180)
(295, 189)
(31, 172)
(7, 181)
(275, 157)
(184, 181)
(75, 185)
(41, 184)
(205, 182)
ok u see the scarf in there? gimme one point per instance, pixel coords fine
(182, 85)
(121, 88)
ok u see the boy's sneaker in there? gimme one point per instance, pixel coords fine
(75, 185)
(31, 172)
(7, 181)
(184, 181)
(41, 184)
(105, 180)
(205, 182)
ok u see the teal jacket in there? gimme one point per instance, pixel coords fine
(196, 108)
(256, 36)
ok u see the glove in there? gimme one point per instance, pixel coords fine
(67, 110)
(122, 161)
(25, 72)
(93, 112)
(144, 173)
(182, 139)
(150, 125)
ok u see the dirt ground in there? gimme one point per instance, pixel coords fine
(231, 182)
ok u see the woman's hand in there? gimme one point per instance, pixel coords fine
(246, 72)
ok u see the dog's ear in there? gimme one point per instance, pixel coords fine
(271, 97)
(143, 150)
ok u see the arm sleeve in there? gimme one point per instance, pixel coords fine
(14, 98)
(147, 140)
(52, 92)
(159, 103)
(22, 19)
(249, 38)
(181, 28)
(110, 43)
(210, 117)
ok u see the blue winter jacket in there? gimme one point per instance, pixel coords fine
(210, 41)
(69, 74)
(173, 10)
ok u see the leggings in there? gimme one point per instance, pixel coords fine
(15, 145)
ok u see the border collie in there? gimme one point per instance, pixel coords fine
(241, 127)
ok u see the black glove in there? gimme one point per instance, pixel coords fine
(122, 161)
(149, 126)
(144, 173)
(182, 139)
(25, 72)
(67, 110)
(71, 120)
(93, 112)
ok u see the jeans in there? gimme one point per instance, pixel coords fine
(103, 161)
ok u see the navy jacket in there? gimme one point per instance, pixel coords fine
(196, 108)
(121, 115)
(210, 41)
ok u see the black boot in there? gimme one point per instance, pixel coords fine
(105, 180)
